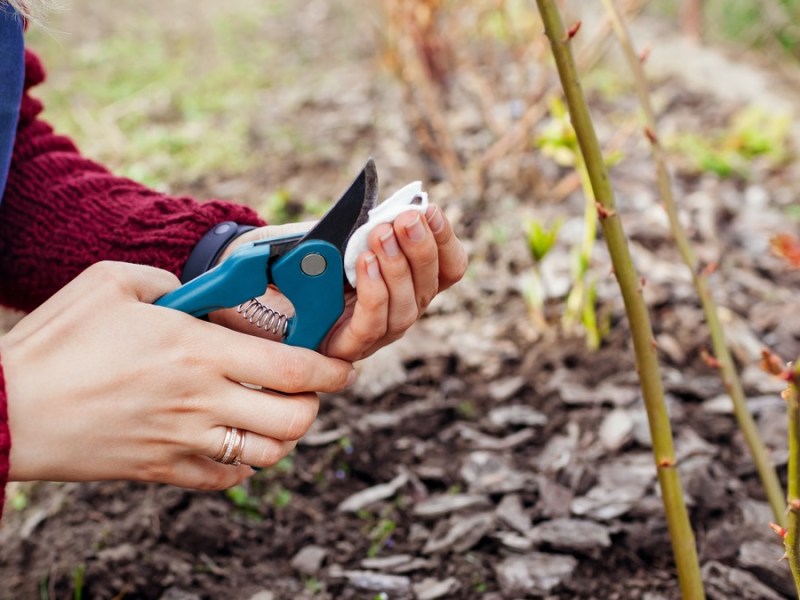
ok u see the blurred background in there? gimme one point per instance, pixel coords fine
(509, 419)
(251, 75)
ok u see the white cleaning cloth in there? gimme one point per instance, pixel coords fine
(410, 197)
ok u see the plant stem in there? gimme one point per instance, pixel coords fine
(692, 20)
(727, 368)
(792, 538)
(680, 530)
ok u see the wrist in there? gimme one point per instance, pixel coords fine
(211, 247)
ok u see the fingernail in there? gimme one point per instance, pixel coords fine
(389, 243)
(373, 270)
(435, 220)
(415, 230)
(351, 378)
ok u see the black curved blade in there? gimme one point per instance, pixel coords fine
(350, 211)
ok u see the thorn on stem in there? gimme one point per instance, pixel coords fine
(651, 135)
(778, 529)
(710, 359)
(572, 31)
(666, 463)
(794, 504)
(789, 375)
(645, 53)
(709, 269)
(603, 212)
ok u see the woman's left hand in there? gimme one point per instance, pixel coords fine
(407, 264)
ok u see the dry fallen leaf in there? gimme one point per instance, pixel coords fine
(788, 247)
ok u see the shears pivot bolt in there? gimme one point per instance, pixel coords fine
(313, 264)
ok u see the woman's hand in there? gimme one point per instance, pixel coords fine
(407, 264)
(101, 384)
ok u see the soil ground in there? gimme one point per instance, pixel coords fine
(502, 459)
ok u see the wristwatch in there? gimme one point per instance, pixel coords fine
(208, 250)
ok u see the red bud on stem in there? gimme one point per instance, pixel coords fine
(778, 529)
(572, 31)
(709, 359)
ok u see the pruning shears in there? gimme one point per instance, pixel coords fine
(307, 268)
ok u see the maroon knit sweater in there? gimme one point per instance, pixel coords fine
(61, 213)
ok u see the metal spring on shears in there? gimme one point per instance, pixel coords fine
(264, 317)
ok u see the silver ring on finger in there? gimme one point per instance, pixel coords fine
(229, 435)
(230, 447)
(237, 455)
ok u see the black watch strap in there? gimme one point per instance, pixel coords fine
(209, 248)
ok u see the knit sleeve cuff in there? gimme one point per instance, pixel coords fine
(62, 212)
(5, 441)
(49, 235)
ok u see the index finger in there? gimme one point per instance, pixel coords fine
(278, 366)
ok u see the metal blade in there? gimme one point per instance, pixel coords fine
(350, 210)
(370, 194)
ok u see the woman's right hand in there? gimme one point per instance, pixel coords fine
(101, 384)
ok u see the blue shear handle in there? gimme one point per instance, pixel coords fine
(318, 300)
(241, 277)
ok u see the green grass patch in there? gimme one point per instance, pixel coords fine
(752, 134)
(768, 25)
(159, 103)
